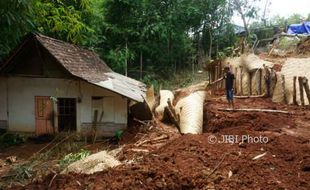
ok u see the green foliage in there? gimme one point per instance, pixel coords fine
(62, 21)
(73, 157)
(117, 59)
(165, 35)
(7, 140)
(15, 21)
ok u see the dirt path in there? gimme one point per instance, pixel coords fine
(207, 161)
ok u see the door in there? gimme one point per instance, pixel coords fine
(44, 115)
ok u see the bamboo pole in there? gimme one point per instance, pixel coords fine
(301, 90)
(294, 91)
(306, 86)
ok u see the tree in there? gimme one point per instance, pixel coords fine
(62, 19)
(247, 10)
(15, 21)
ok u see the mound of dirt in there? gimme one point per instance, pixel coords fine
(207, 161)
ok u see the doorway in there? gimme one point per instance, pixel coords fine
(66, 114)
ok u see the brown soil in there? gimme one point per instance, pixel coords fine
(195, 162)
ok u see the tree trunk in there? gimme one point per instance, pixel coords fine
(210, 47)
(216, 76)
(126, 63)
(141, 64)
(245, 24)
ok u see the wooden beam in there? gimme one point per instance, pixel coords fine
(306, 86)
(244, 97)
(283, 89)
(260, 81)
(254, 110)
(294, 91)
(241, 74)
(250, 82)
(301, 90)
(235, 81)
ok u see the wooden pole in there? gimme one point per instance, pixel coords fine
(294, 91)
(254, 110)
(209, 76)
(260, 81)
(235, 82)
(241, 74)
(95, 126)
(301, 90)
(306, 86)
(220, 74)
(245, 97)
(250, 82)
(283, 89)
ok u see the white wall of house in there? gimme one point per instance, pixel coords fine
(21, 101)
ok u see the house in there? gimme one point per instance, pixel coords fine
(49, 86)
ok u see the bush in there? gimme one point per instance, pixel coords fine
(7, 140)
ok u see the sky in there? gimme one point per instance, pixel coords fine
(283, 8)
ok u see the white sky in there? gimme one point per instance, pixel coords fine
(283, 8)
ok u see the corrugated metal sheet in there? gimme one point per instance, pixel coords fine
(88, 66)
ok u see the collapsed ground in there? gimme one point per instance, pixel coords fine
(194, 162)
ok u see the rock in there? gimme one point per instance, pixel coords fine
(93, 163)
(242, 145)
(11, 159)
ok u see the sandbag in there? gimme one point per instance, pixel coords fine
(190, 111)
(94, 163)
(292, 67)
(164, 96)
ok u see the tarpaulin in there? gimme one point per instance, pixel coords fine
(303, 28)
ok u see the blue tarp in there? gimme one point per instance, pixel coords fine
(303, 28)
